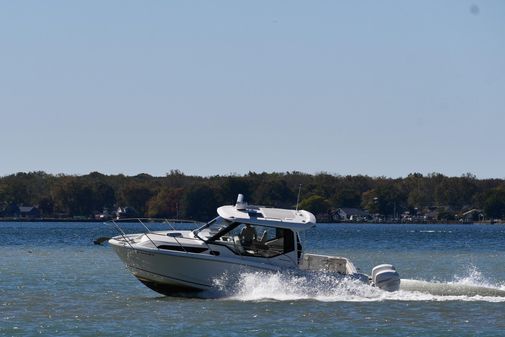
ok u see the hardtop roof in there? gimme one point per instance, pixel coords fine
(297, 220)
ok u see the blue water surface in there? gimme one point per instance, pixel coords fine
(55, 282)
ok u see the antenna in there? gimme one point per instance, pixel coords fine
(298, 198)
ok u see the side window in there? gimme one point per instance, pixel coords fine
(284, 240)
(259, 241)
(289, 241)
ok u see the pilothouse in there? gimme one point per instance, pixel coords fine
(242, 238)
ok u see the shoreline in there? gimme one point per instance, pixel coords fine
(487, 222)
(49, 220)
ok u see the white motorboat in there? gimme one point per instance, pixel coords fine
(242, 238)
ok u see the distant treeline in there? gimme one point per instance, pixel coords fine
(193, 197)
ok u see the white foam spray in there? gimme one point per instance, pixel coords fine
(264, 286)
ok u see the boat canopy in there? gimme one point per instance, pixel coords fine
(296, 220)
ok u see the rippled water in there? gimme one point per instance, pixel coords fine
(54, 281)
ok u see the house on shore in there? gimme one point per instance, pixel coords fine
(472, 215)
(29, 212)
(25, 212)
(126, 212)
(351, 214)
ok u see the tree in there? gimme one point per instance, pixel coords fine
(135, 195)
(46, 206)
(231, 187)
(16, 189)
(417, 189)
(199, 203)
(494, 205)
(455, 192)
(166, 203)
(347, 198)
(315, 204)
(274, 193)
(370, 201)
(387, 199)
(103, 196)
(82, 195)
(73, 196)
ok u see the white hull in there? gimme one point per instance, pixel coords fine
(170, 272)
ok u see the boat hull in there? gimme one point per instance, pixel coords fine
(170, 272)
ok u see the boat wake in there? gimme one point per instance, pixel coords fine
(261, 286)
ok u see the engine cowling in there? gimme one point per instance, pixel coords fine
(385, 277)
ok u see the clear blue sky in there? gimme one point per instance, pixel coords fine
(382, 88)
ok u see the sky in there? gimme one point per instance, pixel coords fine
(380, 88)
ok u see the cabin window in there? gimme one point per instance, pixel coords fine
(212, 228)
(260, 241)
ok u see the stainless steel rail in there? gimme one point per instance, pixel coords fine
(147, 231)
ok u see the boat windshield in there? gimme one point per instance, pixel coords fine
(212, 228)
(255, 240)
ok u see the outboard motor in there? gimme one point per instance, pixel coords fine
(385, 277)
